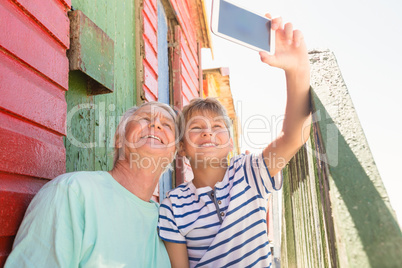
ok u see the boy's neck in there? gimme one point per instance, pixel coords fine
(208, 175)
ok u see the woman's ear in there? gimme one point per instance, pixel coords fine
(118, 143)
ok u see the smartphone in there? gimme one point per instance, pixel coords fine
(239, 25)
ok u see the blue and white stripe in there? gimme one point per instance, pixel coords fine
(188, 215)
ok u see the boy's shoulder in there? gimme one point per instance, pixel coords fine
(181, 191)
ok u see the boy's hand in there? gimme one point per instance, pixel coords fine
(290, 48)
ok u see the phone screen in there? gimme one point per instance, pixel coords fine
(244, 25)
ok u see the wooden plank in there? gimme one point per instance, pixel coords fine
(187, 92)
(185, 22)
(150, 14)
(150, 33)
(30, 96)
(192, 86)
(30, 150)
(150, 79)
(45, 15)
(148, 94)
(16, 192)
(189, 58)
(41, 45)
(66, 3)
(150, 56)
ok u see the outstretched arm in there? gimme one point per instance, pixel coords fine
(291, 56)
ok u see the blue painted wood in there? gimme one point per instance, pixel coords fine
(165, 182)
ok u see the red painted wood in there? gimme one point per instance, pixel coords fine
(34, 77)
(6, 244)
(30, 96)
(187, 92)
(150, 79)
(148, 94)
(29, 150)
(150, 33)
(150, 56)
(66, 3)
(55, 11)
(150, 12)
(190, 58)
(190, 83)
(185, 22)
(45, 55)
(16, 192)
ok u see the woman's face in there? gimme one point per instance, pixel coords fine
(150, 133)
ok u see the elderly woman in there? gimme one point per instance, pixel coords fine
(99, 218)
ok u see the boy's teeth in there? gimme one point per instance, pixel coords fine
(208, 144)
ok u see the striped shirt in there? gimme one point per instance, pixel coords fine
(225, 226)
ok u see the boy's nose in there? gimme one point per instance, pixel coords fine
(207, 133)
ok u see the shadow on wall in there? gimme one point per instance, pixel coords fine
(360, 197)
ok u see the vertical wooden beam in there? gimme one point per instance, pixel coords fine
(200, 76)
(177, 94)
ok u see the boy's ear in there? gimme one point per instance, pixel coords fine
(181, 150)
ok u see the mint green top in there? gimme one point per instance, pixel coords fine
(87, 219)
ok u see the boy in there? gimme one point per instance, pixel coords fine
(218, 219)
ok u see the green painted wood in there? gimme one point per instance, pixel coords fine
(367, 231)
(116, 19)
(91, 52)
(336, 210)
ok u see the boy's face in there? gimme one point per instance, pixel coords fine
(206, 138)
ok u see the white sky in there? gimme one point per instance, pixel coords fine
(366, 37)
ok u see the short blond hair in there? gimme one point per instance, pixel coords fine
(200, 105)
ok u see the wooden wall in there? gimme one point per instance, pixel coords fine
(92, 120)
(33, 81)
(336, 211)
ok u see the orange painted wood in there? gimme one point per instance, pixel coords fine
(24, 39)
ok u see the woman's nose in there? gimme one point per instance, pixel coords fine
(155, 123)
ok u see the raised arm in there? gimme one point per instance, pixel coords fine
(291, 56)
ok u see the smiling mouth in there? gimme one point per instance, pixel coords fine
(153, 137)
(210, 144)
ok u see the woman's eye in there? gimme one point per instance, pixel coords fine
(167, 125)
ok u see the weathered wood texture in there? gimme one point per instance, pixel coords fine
(34, 78)
(336, 210)
(92, 120)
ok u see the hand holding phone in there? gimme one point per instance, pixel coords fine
(242, 26)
